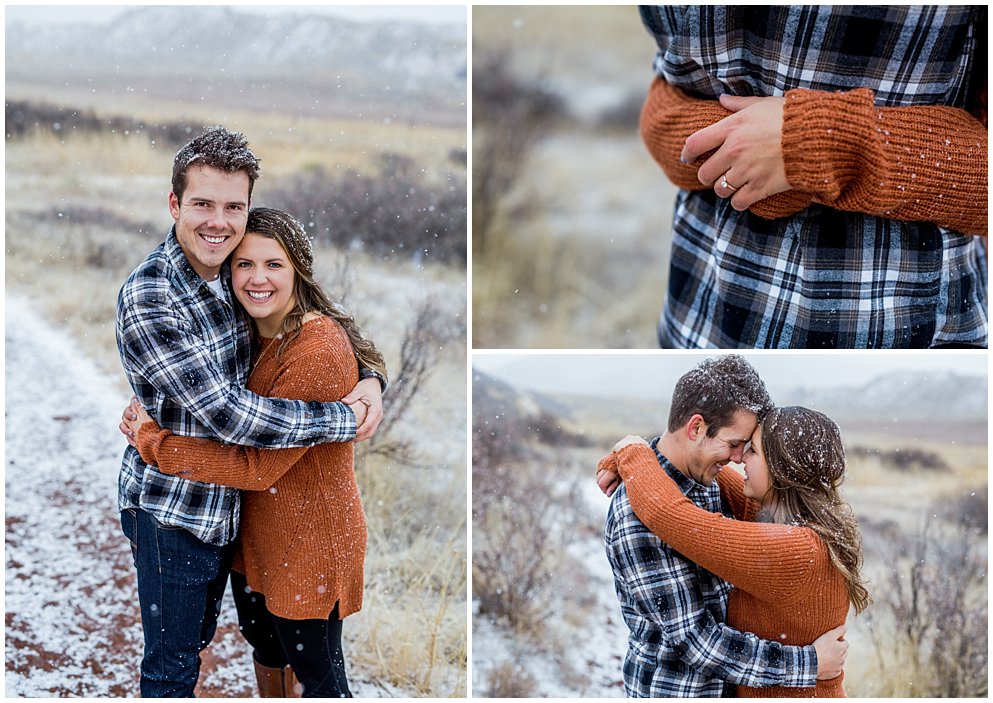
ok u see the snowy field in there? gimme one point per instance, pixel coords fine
(73, 624)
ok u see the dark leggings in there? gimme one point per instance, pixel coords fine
(311, 647)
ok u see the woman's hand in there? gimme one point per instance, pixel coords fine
(607, 478)
(133, 418)
(748, 165)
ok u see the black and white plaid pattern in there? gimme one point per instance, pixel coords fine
(821, 278)
(675, 610)
(187, 356)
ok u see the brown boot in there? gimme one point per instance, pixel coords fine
(293, 688)
(277, 683)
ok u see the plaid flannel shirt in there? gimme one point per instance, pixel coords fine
(187, 355)
(821, 278)
(679, 646)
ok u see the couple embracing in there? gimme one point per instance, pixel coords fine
(247, 401)
(726, 580)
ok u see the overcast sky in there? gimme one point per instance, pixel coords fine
(652, 375)
(431, 14)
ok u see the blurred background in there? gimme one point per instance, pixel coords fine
(571, 217)
(546, 621)
(359, 118)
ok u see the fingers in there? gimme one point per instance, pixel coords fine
(734, 103)
(607, 481)
(704, 140)
(128, 434)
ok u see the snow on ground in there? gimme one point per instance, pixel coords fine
(72, 619)
(588, 662)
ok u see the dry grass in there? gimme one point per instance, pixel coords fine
(412, 630)
(583, 264)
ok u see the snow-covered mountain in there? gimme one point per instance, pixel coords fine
(150, 47)
(901, 394)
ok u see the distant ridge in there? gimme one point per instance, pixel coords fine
(154, 50)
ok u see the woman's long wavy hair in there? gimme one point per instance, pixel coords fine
(310, 297)
(806, 461)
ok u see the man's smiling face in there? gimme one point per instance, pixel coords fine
(210, 220)
(710, 454)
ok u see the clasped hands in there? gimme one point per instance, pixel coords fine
(748, 164)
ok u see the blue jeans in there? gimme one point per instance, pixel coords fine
(181, 582)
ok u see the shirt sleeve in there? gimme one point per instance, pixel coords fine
(365, 373)
(664, 588)
(175, 360)
(714, 541)
(308, 373)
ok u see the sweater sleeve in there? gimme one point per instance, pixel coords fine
(917, 163)
(771, 561)
(669, 116)
(312, 371)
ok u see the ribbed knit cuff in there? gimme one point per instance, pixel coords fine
(824, 139)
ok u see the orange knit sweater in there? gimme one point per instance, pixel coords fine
(303, 532)
(915, 163)
(785, 587)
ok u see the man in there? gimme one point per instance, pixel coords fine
(186, 351)
(674, 609)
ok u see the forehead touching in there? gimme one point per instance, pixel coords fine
(741, 427)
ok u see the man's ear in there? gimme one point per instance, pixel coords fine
(173, 206)
(696, 427)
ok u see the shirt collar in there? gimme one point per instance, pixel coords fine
(685, 483)
(174, 252)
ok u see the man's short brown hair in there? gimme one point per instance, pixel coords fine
(716, 389)
(218, 148)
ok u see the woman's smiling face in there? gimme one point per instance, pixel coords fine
(756, 470)
(263, 279)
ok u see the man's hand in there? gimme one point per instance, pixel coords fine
(366, 401)
(831, 648)
(749, 155)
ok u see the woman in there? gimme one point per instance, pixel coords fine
(298, 569)
(794, 553)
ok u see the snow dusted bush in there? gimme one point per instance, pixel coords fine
(397, 212)
(929, 623)
(25, 118)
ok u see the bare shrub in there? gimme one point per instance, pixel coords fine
(25, 118)
(396, 212)
(509, 117)
(423, 344)
(520, 512)
(509, 680)
(904, 459)
(929, 625)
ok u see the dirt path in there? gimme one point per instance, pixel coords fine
(72, 620)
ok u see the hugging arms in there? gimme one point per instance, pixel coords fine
(780, 154)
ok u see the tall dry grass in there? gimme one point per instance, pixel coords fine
(83, 212)
(570, 216)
